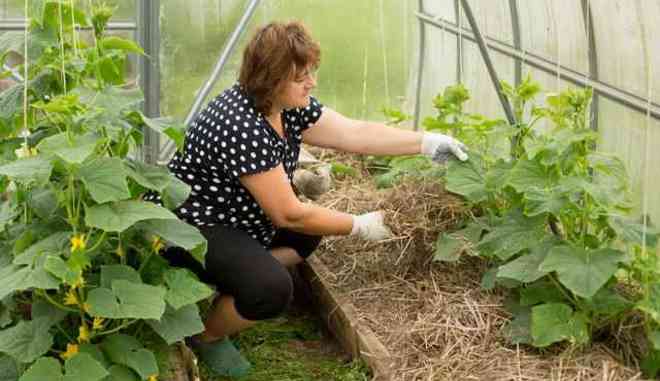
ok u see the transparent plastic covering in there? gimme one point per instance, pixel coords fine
(624, 57)
(367, 49)
(15, 9)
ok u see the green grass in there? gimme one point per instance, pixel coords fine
(291, 348)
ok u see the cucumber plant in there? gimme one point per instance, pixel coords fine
(81, 282)
(552, 216)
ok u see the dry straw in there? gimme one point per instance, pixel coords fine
(434, 317)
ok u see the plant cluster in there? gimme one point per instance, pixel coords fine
(81, 282)
(552, 215)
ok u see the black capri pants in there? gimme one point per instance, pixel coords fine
(242, 267)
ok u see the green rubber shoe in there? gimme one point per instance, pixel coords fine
(221, 357)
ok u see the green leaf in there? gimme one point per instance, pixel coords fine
(8, 211)
(175, 325)
(127, 300)
(110, 105)
(343, 169)
(43, 309)
(74, 151)
(119, 216)
(608, 302)
(28, 170)
(27, 341)
(651, 304)
(44, 202)
(126, 350)
(149, 176)
(528, 175)
(175, 194)
(5, 316)
(519, 329)
(105, 179)
(173, 130)
(184, 289)
(46, 368)
(109, 69)
(62, 270)
(114, 272)
(178, 233)
(498, 175)
(52, 244)
(8, 369)
(583, 271)
(650, 365)
(84, 367)
(611, 165)
(118, 43)
(94, 351)
(540, 292)
(448, 248)
(541, 201)
(122, 373)
(11, 101)
(555, 322)
(633, 232)
(526, 267)
(57, 12)
(19, 278)
(466, 178)
(654, 338)
(489, 278)
(514, 235)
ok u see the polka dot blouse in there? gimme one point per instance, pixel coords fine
(229, 139)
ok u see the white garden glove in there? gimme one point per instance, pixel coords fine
(370, 226)
(439, 147)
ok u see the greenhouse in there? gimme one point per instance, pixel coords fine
(389, 190)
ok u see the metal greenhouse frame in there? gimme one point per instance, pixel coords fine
(517, 52)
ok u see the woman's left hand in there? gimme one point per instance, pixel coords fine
(439, 147)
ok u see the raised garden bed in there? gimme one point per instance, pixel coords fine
(411, 318)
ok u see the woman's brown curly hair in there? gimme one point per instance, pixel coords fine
(273, 56)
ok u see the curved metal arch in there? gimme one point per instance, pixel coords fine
(420, 66)
(516, 30)
(593, 58)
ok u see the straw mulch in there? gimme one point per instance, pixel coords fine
(433, 317)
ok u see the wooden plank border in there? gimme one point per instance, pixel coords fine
(340, 316)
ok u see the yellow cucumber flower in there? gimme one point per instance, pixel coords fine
(98, 323)
(153, 377)
(70, 299)
(157, 243)
(83, 334)
(120, 252)
(78, 242)
(71, 350)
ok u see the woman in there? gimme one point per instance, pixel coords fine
(239, 158)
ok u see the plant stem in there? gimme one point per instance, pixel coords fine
(98, 242)
(50, 300)
(118, 328)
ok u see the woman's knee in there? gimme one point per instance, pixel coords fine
(266, 298)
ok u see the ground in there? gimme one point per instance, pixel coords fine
(293, 347)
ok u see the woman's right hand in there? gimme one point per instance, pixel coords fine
(371, 226)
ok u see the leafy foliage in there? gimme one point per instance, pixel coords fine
(551, 214)
(78, 240)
